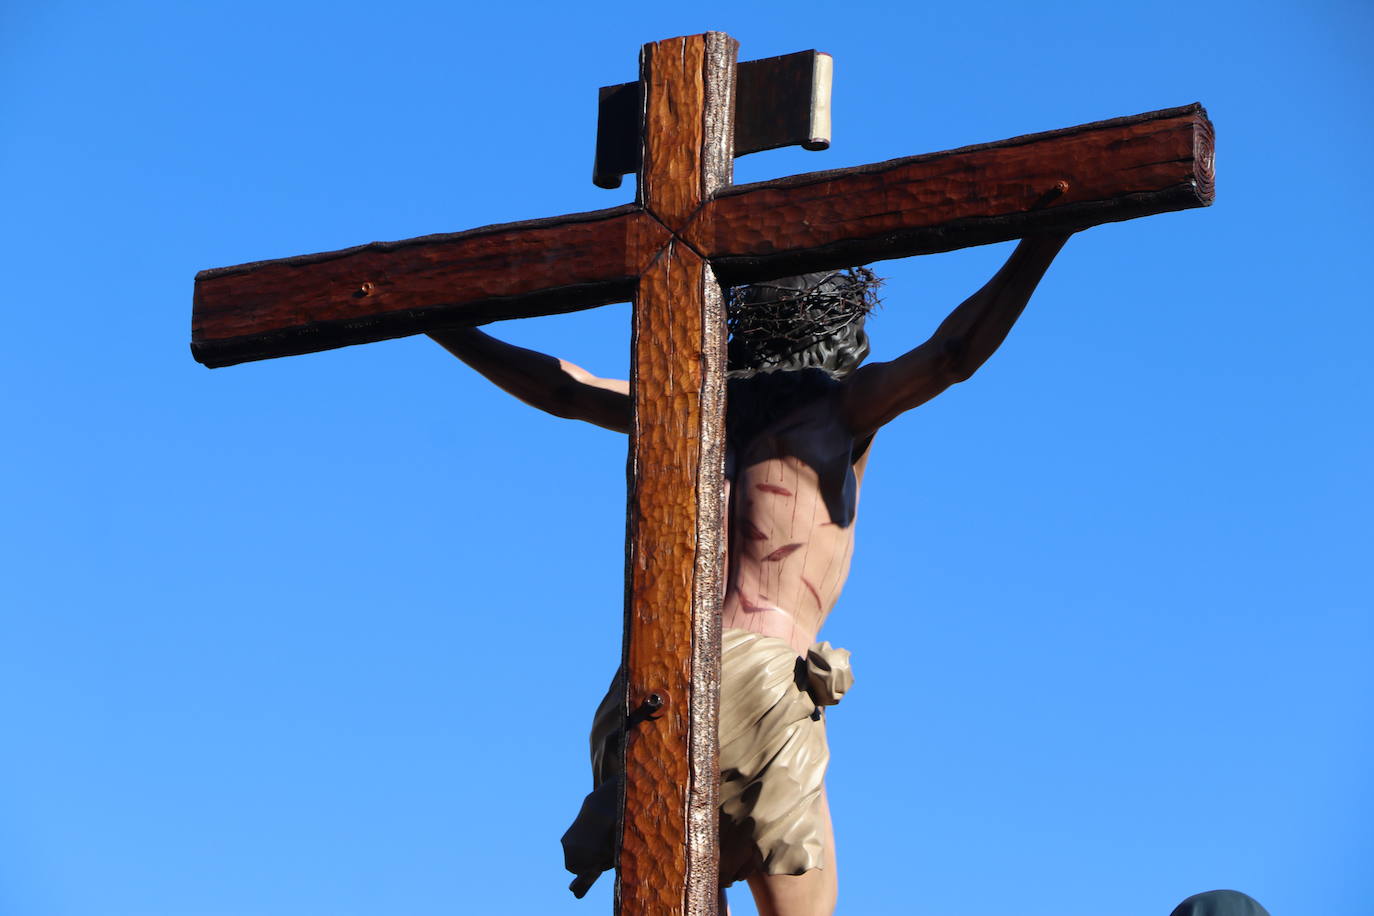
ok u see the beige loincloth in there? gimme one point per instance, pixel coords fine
(773, 757)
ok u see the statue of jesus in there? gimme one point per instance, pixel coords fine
(802, 413)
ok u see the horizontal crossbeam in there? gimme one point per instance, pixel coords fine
(1060, 180)
(1064, 179)
(393, 289)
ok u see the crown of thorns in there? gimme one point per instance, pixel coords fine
(778, 319)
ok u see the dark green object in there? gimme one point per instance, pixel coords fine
(1220, 903)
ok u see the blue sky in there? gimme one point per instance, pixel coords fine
(323, 635)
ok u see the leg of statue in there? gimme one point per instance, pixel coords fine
(809, 894)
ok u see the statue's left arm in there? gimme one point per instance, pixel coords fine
(878, 392)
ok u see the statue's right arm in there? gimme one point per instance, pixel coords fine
(878, 392)
(553, 385)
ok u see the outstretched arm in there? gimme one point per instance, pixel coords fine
(878, 392)
(553, 385)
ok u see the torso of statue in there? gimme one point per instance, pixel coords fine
(793, 470)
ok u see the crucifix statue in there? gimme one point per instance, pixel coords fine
(740, 525)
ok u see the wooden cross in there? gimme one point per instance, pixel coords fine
(690, 231)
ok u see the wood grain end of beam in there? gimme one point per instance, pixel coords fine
(1204, 155)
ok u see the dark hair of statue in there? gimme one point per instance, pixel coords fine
(809, 321)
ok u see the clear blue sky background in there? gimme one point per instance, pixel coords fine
(323, 635)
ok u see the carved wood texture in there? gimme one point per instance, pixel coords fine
(391, 289)
(668, 855)
(708, 585)
(1064, 179)
(1108, 171)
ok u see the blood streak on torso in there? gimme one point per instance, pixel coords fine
(793, 491)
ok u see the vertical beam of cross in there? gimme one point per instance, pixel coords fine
(675, 550)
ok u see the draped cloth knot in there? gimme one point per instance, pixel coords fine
(828, 675)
